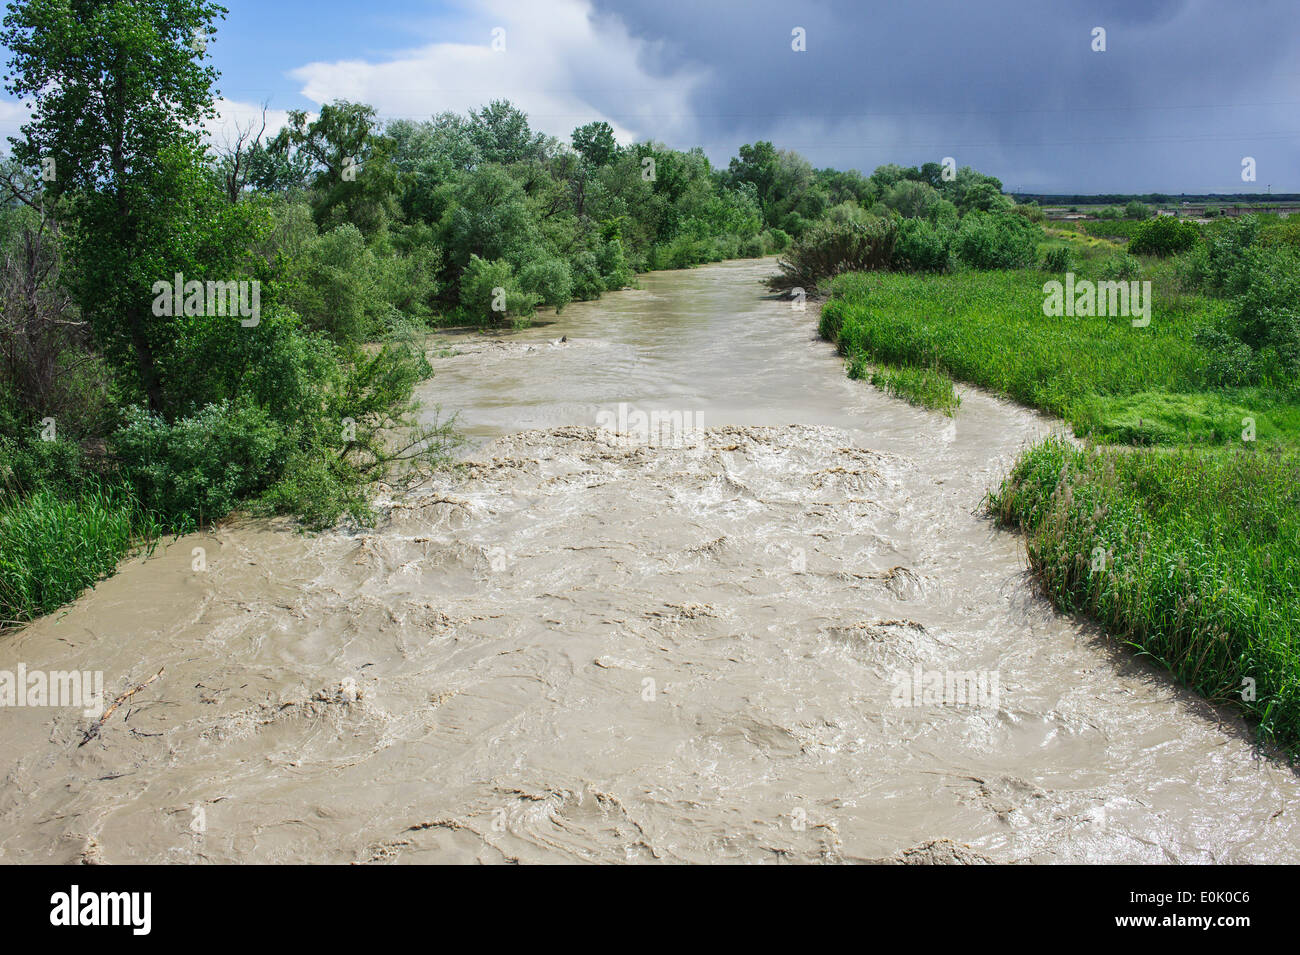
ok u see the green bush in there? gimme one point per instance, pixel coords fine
(777, 240)
(1284, 233)
(611, 260)
(1122, 267)
(1223, 261)
(1058, 259)
(944, 213)
(588, 283)
(550, 279)
(408, 285)
(198, 468)
(29, 465)
(1164, 236)
(489, 292)
(911, 199)
(996, 241)
(333, 287)
(828, 249)
(1258, 340)
(1031, 211)
(922, 247)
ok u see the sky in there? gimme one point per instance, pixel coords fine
(1182, 93)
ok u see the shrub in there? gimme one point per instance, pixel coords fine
(1164, 236)
(778, 240)
(198, 468)
(1058, 259)
(1137, 210)
(828, 249)
(1122, 267)
(921, 247)
(1031, 211)
(911, 199)
(1230, 362)
(550, 279)
(333, 287)
(588, 283)
(848, 213)
(486, 286)
(1223, 261)
(944, 213)
(985, 196)
(57, 465)
(996, 241)
(1284, 233)
(1258, 340)
(313, 489)
(408, 285)
(615, 271)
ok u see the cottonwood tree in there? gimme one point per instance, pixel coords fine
(118, 92)
(353, 175)
(595, 143)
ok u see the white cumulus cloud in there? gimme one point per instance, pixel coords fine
(562, 64)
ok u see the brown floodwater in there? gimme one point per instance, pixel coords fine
(781, 632)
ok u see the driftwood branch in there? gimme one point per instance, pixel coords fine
(95, 726)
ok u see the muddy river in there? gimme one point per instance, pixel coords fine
(779, 631)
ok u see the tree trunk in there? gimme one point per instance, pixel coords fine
(135, 313)
(144, 358)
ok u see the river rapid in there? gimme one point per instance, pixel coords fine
(785, 632)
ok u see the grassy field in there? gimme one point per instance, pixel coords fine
(1177, 525)
(1112, 228)
(1110, 380)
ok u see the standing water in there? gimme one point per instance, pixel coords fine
(778, 629)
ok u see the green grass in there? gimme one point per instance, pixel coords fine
(1192, 556)
(1112, 228)
(1105, 377)
(1216, 417)
(1084, 247)
(52, 549)
(919, 386)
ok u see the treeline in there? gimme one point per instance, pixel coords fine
(1155, 198)
(478, 218)
(918, 219)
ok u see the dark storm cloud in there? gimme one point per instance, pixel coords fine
(1184, 90)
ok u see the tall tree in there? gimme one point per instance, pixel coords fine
(118, 92)
(595, 143)
(502, 134)
(354, 176)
